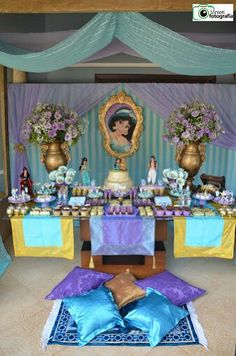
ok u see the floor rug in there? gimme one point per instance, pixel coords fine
(60, 329)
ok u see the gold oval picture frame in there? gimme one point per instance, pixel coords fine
(121, 124)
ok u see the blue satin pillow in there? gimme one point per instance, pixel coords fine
(153, 314)
(94, 313)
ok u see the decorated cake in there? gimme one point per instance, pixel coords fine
(118, 180)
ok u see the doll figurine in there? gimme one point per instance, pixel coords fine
(26, 183)
(84, 171)
(152, 172)
(123, 166)
(117, 164)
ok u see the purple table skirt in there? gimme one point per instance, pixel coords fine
(122, 235)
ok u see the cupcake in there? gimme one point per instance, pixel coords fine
(229, 212)
(79, 191)
(177, 211)
(123, 209)
(23, 211)
(110, 209)
(57, 212)
(84, 212)
(10, 211)
(159, 211)
(66, 211)
(84, 191)
(74, 192)
(100, 212)
(129, 209)
(186, 211)
(222, 212)
(17, 211)
(94, 212)
(75, 211)
(169, 211)
(159, 190)
(117, 210)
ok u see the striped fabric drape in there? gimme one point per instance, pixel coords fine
(219, 161)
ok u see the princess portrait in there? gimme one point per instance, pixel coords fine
(121, 125)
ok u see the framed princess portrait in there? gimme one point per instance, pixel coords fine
(121, 124)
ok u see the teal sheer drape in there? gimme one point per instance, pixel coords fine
(154, 42)
(171, 50)
(92, 37)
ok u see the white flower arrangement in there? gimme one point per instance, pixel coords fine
(175, 178)
(62, 175)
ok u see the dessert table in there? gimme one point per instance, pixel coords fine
(38, 236)
(194, 236)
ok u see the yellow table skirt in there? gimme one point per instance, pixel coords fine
(65, 251)
(226, 250)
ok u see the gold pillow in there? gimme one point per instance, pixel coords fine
(123, 289)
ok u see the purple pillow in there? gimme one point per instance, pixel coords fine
(78, 281)
(175, 289)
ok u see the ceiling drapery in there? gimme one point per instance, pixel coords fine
(152, 41)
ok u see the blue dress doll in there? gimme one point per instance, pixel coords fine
(84, 171)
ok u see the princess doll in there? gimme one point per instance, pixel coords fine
(123, 166)
(117, 164)
(26, 183)
(85, 177)
(152, 172)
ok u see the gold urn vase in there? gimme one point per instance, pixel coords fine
(190, 158)
(54, 155)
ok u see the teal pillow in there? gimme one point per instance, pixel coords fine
(153, 314)
(94, 313)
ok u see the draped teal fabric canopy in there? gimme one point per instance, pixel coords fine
(154, 42)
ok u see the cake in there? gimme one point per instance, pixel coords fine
(118, 180)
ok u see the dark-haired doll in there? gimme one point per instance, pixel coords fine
(84, 171)
(117, 164)
(26, 183)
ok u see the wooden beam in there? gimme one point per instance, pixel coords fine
(91, 6)
(4, 131)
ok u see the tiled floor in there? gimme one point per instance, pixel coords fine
(23, 310)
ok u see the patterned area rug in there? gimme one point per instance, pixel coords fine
(61, 329)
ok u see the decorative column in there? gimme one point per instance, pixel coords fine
(4, 130)
(18, 76)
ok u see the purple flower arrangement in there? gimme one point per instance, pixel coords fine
(52, 122)
(194, 122)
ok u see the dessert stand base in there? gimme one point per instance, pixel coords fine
(117, 179)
